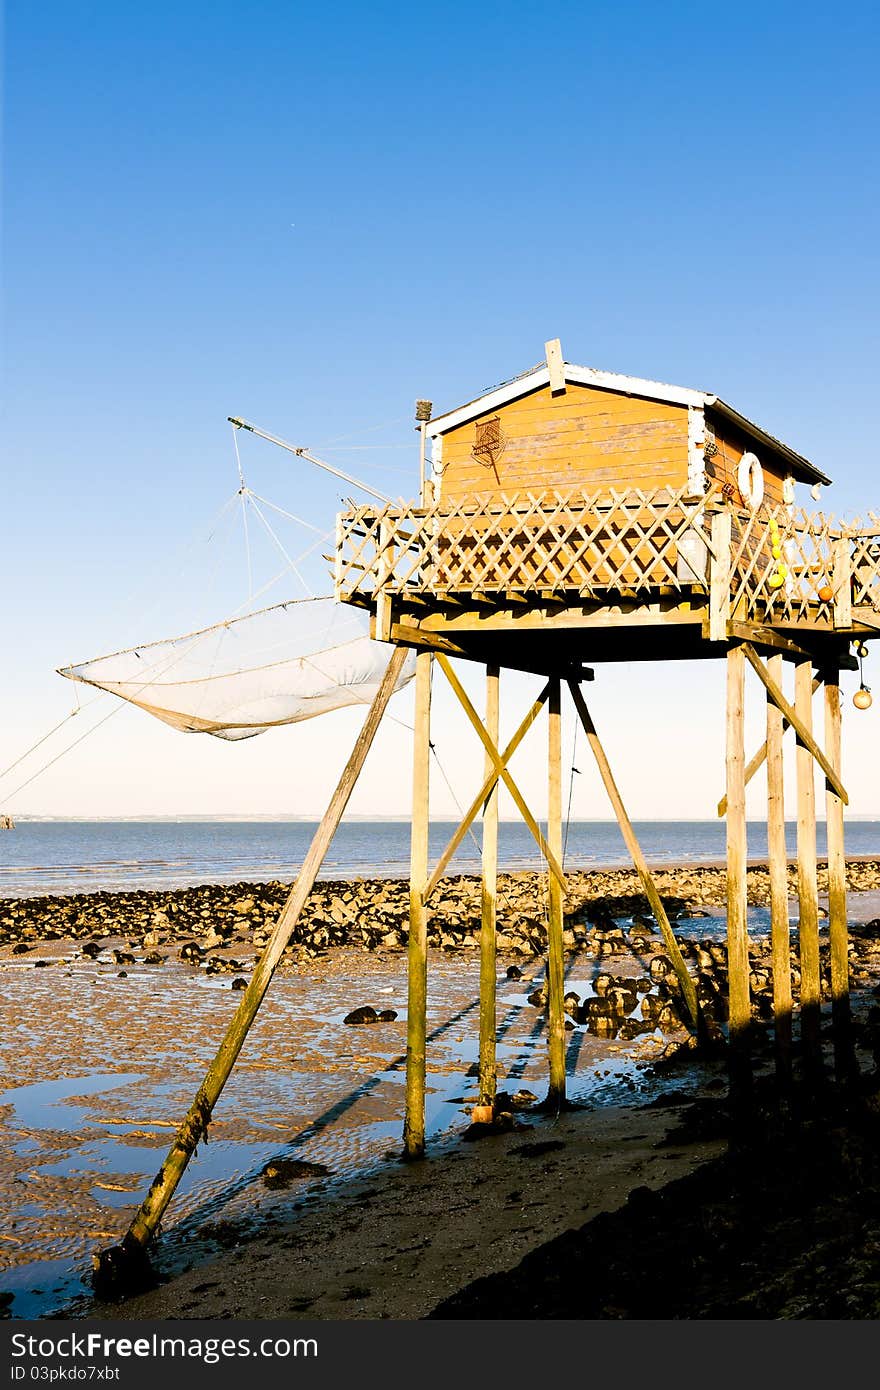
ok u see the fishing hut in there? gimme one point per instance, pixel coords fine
(567, 518)
(574, 516)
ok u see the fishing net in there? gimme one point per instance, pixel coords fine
(236, 679)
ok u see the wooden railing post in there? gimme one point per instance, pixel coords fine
(842, 583)
(720, 576)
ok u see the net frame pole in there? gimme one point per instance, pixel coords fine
(110, 1264)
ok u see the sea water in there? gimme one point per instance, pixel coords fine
(78, 856)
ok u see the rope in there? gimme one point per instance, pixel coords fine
(34, 746)
(574, 771)
(272, 534)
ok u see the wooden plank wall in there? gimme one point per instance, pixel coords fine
(731, 444)
(583, 437)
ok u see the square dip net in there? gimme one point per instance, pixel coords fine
(237, 678)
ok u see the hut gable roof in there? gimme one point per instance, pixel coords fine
(537, 377)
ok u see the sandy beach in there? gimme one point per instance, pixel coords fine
(368, 1236)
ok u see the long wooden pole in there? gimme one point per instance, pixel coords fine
(417, 996)
(555, 956)
(737, 899)
(195, 1124)
(808, 892)
(488, 964)
(780, 934)
(837, 922)
(688, 988)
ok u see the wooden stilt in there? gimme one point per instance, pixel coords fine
(479, 800)
(688, 988)
(555, 958)
(110, 1263)
(503, 772)
(808, 893)
(737, 901)
(488, 964)
(780, 935)
(837, 922)
(417, 996)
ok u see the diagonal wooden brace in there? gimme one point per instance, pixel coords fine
(552, 862)
(485, 791)
(688, 988)
(757, 762)
(804, 737)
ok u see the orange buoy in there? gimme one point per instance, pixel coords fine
(825, 594)
(862, 698)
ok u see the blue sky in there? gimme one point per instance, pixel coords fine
(310, 216)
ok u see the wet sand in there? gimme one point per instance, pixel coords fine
(126, 1042)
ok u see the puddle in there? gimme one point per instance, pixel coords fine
(104, 1068)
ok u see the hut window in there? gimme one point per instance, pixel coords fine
(488, 442)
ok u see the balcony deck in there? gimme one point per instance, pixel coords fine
(637, 575)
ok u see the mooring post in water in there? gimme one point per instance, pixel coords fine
(777, 863)
(837, 923)
(115, 1266)
(737, 896)
(555, 957)
(808, 892)
(417, 989)
(488, 906)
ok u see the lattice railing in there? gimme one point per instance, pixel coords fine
(785, 565)
(527, 543)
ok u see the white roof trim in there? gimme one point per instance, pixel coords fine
(580, 376)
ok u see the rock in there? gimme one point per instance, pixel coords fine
(21, 948)
(92, 949)
(602, 983)
(124, 957)
(191, 951)
(387, 1015)
(242, 906)
(513, 972)
(365, 1014)
(660, 967)
(279, 1172)
(154, 958)
(239, 983)
(538, 997)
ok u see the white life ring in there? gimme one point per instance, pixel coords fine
(750, 480)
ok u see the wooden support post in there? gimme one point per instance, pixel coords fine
(780, 935)
(804, 730)
(757, 761)
(688, 988)
(837, 923)
(417, 995)
(737, 900)
(555, 958)
(488, 963)
(490, 781)
(719, 576)
(808, 893)
(110, 1264)
(502, 770)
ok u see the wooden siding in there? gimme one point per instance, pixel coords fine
(731, 444)
(585, 437)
